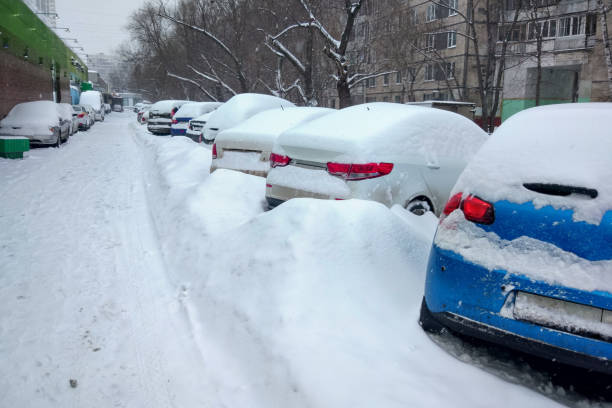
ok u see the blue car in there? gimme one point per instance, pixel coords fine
(188, 111)
(523, 253)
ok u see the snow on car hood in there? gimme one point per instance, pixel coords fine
(242, 107)
(261, 130)
(567, 144)
(384, 131)
(31, 118)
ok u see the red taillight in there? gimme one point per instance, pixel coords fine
(474, 209)
(453, 203)
(477, 210)
(278, 160)
(214, 151)
(359, 171)
(174, 121)
(81, 115)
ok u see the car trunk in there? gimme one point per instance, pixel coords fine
(554, 225)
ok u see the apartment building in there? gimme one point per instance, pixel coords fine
(571, 55)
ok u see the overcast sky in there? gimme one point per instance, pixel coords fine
(99, 25)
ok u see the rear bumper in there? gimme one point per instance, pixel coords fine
(478, 302)
(479, 330)
(178, 132)
(158, 129)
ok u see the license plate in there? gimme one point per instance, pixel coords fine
(562, 315)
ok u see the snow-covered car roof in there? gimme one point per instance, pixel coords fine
(32, 114)
(65, 110)
(167, 105)
(382, 131)
(567, 144)
(195, 109)
(261, 130)
(243, 106)
(204, 117)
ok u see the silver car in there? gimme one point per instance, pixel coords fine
(385, 152)
(40, 121)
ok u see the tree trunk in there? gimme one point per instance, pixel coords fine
(603, 9)
(344, 93)
(539, 69)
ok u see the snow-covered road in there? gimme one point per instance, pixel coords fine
(83, 287)
(126, 266)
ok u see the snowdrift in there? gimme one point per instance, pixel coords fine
(312, 304)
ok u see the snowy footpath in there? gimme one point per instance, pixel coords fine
(129, 269)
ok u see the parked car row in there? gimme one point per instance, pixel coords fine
(522, 253)
(46, 122)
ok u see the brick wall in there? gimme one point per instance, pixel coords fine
(22, 81)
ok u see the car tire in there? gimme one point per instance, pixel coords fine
(419, 206)
(428, 322)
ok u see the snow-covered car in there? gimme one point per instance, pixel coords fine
(96, 101)
(195, 128)
(247, 146)
(91, 114)
(117, 108)
(43, 122)
(82, 117)
(68, 114)
(180, 121)
(239, 108)
(385, 152)
(522, 255)
(144, 118)
(142, 109)
(161, 114)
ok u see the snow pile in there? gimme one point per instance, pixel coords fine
(384, 132)
(239, 108)
(30, 118)
(195, 109)
(261, 131)
(166, 106)
(312, 304)
(566, 144)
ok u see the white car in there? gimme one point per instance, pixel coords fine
(69, 114)
(82, 116)
(96, 101)
(91, 114)
(385, 152)
(240, 108)
(180, 121)
(43, 122)
(247, 146)
(161, 114)
(195, 128)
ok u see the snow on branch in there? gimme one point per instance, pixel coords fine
(358, 78)
(191, 81)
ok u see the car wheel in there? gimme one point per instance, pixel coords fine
(419, 206)
(428, 322)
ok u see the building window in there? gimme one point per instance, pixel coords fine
(398, 77)
(385, 99)
(332, 103)
(398, 99)
(370, 99)
(569, 26)
(386, 80)
(453, 5)
(450, 70)
(431, 42)
(451, 39)
(591, 24)
(429, 72)
(428, 97)
(371, 82)
(431, 13)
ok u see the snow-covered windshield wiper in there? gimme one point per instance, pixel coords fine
(560, 189)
